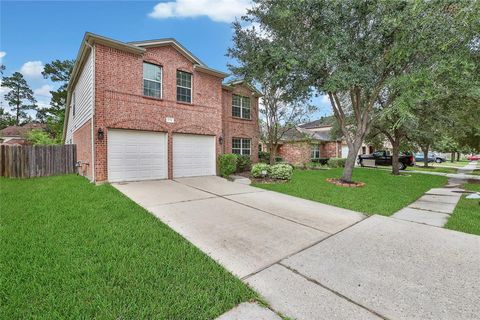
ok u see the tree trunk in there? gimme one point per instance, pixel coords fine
(452, 156)
(350, 162)
(272, 149)
(425, 156)
(395, 162)
(458, 156)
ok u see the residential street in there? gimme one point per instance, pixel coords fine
(314, 261)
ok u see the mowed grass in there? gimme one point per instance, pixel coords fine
(72, 250)
(466, 216)
(432, 169)
(383, 194)
(475, 172)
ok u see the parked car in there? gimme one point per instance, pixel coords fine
(384, 158)
(474, 157)
(432, 157)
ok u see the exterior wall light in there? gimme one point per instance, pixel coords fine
(100, 134)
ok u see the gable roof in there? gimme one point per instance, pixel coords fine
(301, 134)
(21, 131)
(327, 121)
(169, 42)
(235, 82)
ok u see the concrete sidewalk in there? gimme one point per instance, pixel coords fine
(434, 208)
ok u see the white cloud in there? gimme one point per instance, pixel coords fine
(43, 91)
(217, 10)
(2, 54)
(32, 69)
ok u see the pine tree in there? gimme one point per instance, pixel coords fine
(20, 97)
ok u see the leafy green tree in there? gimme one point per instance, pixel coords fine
(353, 50)
(6, 119)
(279, 109)
(20, 96)
(40, 137)
(57, 71)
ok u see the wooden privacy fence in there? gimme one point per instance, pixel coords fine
(37, 161)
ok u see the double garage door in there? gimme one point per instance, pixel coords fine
(143, 155)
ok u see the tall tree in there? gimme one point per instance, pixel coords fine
(20, 96)
(353, 50)
(280, 110)
(57, 71)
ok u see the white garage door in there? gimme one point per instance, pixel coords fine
(193, 155)
(136, 155)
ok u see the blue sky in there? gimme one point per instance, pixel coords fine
(33, 33)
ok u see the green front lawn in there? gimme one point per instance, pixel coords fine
(69, 249)
(466, 216)
(383, 194)
(432, 169)
(475, 172)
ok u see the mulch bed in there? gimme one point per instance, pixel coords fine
(341, 183)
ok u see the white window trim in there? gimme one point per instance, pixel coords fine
(242, 107)
(161, 81)
(241, 146)
(313, 150)
(190, 88)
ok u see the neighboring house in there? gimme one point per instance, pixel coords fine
(17, 135)
(313, 140)
(152, 110)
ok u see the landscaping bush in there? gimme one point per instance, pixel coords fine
(336, 162)
(243, 163)
(258, 168)
(264, 156)
(227, 164)
(281, 171)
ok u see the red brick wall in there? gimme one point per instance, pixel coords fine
(240, 128)
(119, 100)
(295, 152)
(82, 137)
(330, 149)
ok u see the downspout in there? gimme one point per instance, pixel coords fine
(93, 110)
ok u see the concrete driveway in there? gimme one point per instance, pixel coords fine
(314, 261)
(245, 229)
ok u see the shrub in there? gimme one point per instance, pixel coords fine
(258, 168)
(40, 137)
(227, 164)
(336, 162)
(281, 171)
(264, 156)
(243, 163)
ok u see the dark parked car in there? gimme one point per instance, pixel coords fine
(383, 158)
(432, 157)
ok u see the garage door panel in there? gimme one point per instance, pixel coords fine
(136, 155)
(193, 155)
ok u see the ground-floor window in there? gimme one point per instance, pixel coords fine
(241, 146)
(315, 151)
(364, 150)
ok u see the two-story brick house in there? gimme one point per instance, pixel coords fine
(152, 110)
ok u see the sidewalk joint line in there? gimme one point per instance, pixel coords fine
(333, 291)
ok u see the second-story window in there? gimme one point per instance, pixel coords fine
(184, 86)
(152, 80)
(241, 107)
